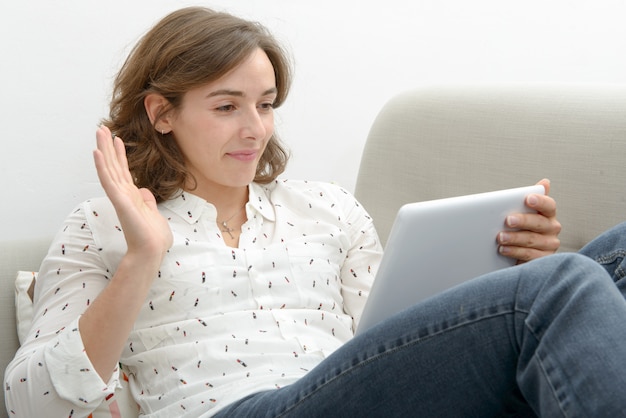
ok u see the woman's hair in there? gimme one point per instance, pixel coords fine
(187, 49)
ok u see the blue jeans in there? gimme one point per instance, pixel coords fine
(546, 338)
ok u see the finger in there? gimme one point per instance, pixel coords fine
(149, 199)
(526, 221)
(112, 171)
(522, 254)
(104, 141)
(533, 222)
(104, 144)
(101, 154)
(103, 172)
(546, 185)
(544, 205)
(526, 239)
(114, 156)
(120, 149)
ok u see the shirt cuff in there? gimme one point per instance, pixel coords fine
(71, 372)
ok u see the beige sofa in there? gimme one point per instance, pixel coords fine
(447, 141)
(439, 142)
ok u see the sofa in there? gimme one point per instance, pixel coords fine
(439, 142)
(436, 142)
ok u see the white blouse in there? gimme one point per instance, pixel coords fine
(219, 323)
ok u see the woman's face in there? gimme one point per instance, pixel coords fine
(222, 128)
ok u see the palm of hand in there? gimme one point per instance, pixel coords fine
(146, 231)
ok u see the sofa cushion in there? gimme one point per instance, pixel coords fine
(24, 285)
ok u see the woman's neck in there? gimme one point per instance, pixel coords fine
(231, 215)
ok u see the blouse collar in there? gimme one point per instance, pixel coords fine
(191, 208)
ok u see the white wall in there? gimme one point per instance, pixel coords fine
(57, 59)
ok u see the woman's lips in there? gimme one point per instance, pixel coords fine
(243, 155)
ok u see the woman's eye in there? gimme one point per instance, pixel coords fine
(226, 108)
(266, 106)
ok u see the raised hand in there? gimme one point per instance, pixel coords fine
(146, 231)
(537, 233)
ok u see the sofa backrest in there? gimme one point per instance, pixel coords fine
(440, 142)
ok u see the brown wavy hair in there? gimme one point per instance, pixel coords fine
(188, 48)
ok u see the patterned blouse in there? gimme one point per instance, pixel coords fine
(219, 323)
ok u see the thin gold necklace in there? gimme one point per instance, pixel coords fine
(224, 224)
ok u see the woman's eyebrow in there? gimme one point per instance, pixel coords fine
(273, 90)
(228, 92)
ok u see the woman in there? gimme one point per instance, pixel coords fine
(213, 283)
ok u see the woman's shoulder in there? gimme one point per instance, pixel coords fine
(313, 197)
(97, 209)
(95, 217)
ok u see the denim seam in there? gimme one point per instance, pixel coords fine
(353, 368)
(537, 355)
(610, 258)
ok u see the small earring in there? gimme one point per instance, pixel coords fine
(162, 132)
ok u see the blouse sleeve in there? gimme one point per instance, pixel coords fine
(362, 258)
(51, 374)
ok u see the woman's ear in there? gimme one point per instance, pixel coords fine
(156, 108)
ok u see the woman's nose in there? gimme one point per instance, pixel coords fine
(254, 124)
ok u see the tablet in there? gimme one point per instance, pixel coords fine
(437, 244)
